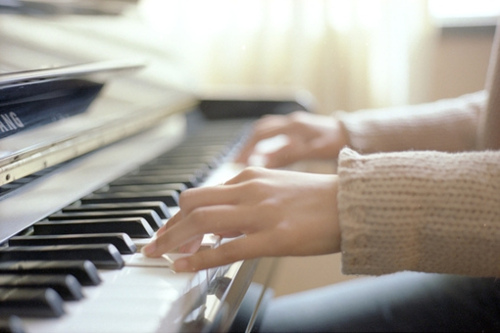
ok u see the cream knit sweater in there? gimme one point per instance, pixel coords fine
(425, 196)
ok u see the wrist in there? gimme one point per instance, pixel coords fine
(342, 138)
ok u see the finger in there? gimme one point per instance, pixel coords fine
(231, 234)
(239, 249)
(205, 196)
(192, 246)
(249, 148)
(213, 219)
(267, 128)
(284, 156)
(236, 184)
(170, 223)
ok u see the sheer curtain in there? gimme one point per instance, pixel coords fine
(349, 54)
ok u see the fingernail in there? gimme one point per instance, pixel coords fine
(149, 249)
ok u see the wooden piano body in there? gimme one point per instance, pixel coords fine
(147, 118)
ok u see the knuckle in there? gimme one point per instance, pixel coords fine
(251, 172)
(257, 187)
(262, 188)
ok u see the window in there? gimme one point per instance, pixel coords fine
(465, 12)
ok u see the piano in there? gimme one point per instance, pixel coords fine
(79, 197)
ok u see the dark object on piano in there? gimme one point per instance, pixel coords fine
(33, 98)
(39, 103)
(241, 108)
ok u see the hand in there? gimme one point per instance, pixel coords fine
(276, 213)
(310, 136)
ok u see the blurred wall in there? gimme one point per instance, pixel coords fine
(461, 61)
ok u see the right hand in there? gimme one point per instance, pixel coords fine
(310, 136)
(270, 212)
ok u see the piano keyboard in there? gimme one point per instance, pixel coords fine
(79, 269)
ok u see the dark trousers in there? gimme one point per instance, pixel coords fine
(416, 302)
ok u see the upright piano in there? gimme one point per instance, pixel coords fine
(81, 195)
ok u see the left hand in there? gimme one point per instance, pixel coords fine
(276, 213)
(309, 136)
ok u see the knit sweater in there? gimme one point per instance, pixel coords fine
(421, 193)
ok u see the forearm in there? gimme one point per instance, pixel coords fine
(420, 211)
(446, 125)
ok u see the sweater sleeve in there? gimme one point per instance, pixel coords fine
(421, 211)
(445, 125)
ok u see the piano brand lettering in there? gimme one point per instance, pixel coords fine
(10, 122)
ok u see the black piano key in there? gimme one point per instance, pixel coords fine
(102, 255)
(170, 198)
(209, 161)
(11, 324)
(149, 215)
(186, 179)
(67, 286)
(159, 207)
(30, 302)
(198, 169)
(121, 241)
(191, 151)
(190, 179)
(162, 162)
(199, 148)
(134, 227)
(171, 159)
(143, 188)
(83, 270)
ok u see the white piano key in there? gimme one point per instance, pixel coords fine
(223, 173)
(139, 260)
(134, 299)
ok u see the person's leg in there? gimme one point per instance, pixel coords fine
(398, 302)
